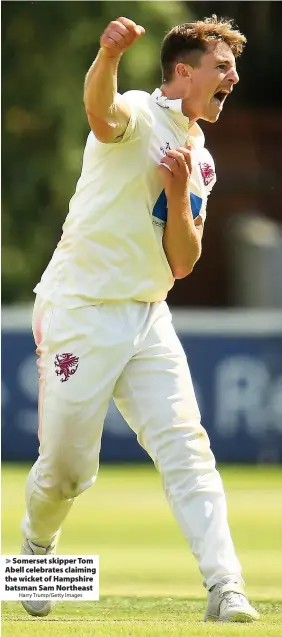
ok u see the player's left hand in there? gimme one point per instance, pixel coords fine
(176, 168)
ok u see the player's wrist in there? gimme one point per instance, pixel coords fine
(177, 197)
(107, 54)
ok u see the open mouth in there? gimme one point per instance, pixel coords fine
(219, 97)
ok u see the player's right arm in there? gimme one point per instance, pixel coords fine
(107, 114)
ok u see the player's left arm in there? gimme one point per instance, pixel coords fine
(182, 239)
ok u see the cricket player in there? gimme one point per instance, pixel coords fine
(101, 323)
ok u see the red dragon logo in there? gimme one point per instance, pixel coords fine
(66, 365)
(207, 173)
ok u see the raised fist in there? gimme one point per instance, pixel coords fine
(119, 35)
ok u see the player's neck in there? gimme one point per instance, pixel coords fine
(171, 91)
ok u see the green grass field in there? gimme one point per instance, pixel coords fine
(149, 582)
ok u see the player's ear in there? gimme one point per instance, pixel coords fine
(182, 70)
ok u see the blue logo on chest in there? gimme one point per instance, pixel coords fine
(160, 207)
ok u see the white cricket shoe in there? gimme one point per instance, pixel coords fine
(227, 602)
(36, 607)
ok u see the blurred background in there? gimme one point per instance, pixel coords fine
(229, 312)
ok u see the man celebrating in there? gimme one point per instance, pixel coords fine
(101, 323)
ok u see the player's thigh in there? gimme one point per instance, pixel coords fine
(155, 394)
(77, 373)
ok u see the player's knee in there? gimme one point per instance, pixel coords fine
(74, 486)
(71, 488)
(64, 482)
(185, 455)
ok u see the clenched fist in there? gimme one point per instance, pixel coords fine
(176, 168)
(119, 35)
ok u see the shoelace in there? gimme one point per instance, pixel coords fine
(233, 598)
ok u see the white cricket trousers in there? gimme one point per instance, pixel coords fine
(128, 350)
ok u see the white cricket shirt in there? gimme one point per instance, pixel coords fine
(111, 246)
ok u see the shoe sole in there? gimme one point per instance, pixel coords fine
(242, 618)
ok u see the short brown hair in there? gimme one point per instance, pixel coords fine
(191, 39)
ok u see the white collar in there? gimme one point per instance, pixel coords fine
(175, 110)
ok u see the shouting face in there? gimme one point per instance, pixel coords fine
(205, 86)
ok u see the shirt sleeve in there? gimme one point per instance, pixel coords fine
(207, 168)
(141, 117)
